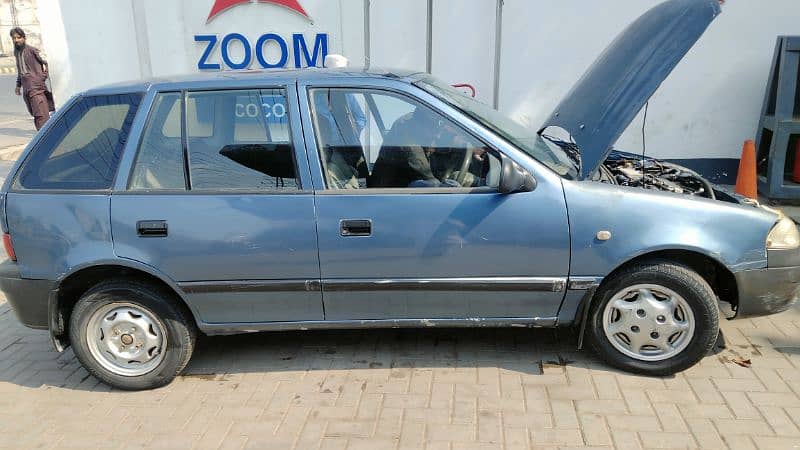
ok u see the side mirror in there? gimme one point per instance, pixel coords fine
(515, 178)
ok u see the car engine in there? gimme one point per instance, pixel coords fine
(627, 169)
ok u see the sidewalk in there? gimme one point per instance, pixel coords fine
(8, 65)
(10, 154)
(15, 133)
(16, 126)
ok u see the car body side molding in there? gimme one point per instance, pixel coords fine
(471, 322)
(449, 284)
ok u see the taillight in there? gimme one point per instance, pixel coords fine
(9, 247)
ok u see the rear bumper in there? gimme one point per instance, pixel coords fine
(28, 298)
(772, 290)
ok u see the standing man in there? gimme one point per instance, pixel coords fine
(31, 79)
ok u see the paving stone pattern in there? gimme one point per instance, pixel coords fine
(409, 389)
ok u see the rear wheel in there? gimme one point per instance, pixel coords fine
(131, 335)
(655, 319)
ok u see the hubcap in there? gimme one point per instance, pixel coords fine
(648, 322)
(126, 339)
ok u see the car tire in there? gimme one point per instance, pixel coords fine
(656, 318)
(118, 330)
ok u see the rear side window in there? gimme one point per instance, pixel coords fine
(83, 148)
(235, 140)
(159, 164)
(240, 140)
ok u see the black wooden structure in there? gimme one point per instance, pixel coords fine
(779, 128)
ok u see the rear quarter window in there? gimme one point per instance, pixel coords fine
(82, 149)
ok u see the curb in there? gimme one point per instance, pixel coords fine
(8, 70)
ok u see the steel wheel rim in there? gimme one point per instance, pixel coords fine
(648, 322)
(126, 339)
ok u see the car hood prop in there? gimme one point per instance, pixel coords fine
(611, 93)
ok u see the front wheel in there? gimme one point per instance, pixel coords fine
(131, 335)
(654, 319)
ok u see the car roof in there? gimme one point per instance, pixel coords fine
(212, 79)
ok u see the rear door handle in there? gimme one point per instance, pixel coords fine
(355, 228)
(151, 228)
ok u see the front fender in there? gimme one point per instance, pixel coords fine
(643, 221)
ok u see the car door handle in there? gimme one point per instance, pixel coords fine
(151, 228)
(354, 228)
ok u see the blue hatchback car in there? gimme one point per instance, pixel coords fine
(146, 213)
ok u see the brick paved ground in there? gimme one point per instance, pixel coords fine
(398, 389)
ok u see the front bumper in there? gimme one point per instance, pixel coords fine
(772, 290)
(28, 298)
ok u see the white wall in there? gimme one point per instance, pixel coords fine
(465, 55)
(705, 110)
(110, 41)
(398, 33)
(88, 43)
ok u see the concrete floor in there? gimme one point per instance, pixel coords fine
(410, 389)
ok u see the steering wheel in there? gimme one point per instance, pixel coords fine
(462, 173)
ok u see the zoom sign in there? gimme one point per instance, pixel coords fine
(269, 51)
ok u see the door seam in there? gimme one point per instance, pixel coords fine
(313, 194)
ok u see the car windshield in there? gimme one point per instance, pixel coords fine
(545, 151)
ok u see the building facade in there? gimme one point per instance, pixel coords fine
(521, 56)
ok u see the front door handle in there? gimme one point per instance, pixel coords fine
(151, 228)
(355, 228)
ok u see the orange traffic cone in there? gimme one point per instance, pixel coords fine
(746, 181)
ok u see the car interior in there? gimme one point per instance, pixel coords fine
(418, 148)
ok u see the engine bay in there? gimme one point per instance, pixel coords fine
(626, 169)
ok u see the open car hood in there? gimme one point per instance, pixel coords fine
(611, 93)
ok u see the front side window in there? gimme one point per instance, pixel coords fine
(240, 140)
(526, 139)
(83, 147)
(378, 139)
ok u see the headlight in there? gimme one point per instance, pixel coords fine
(784, 235)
